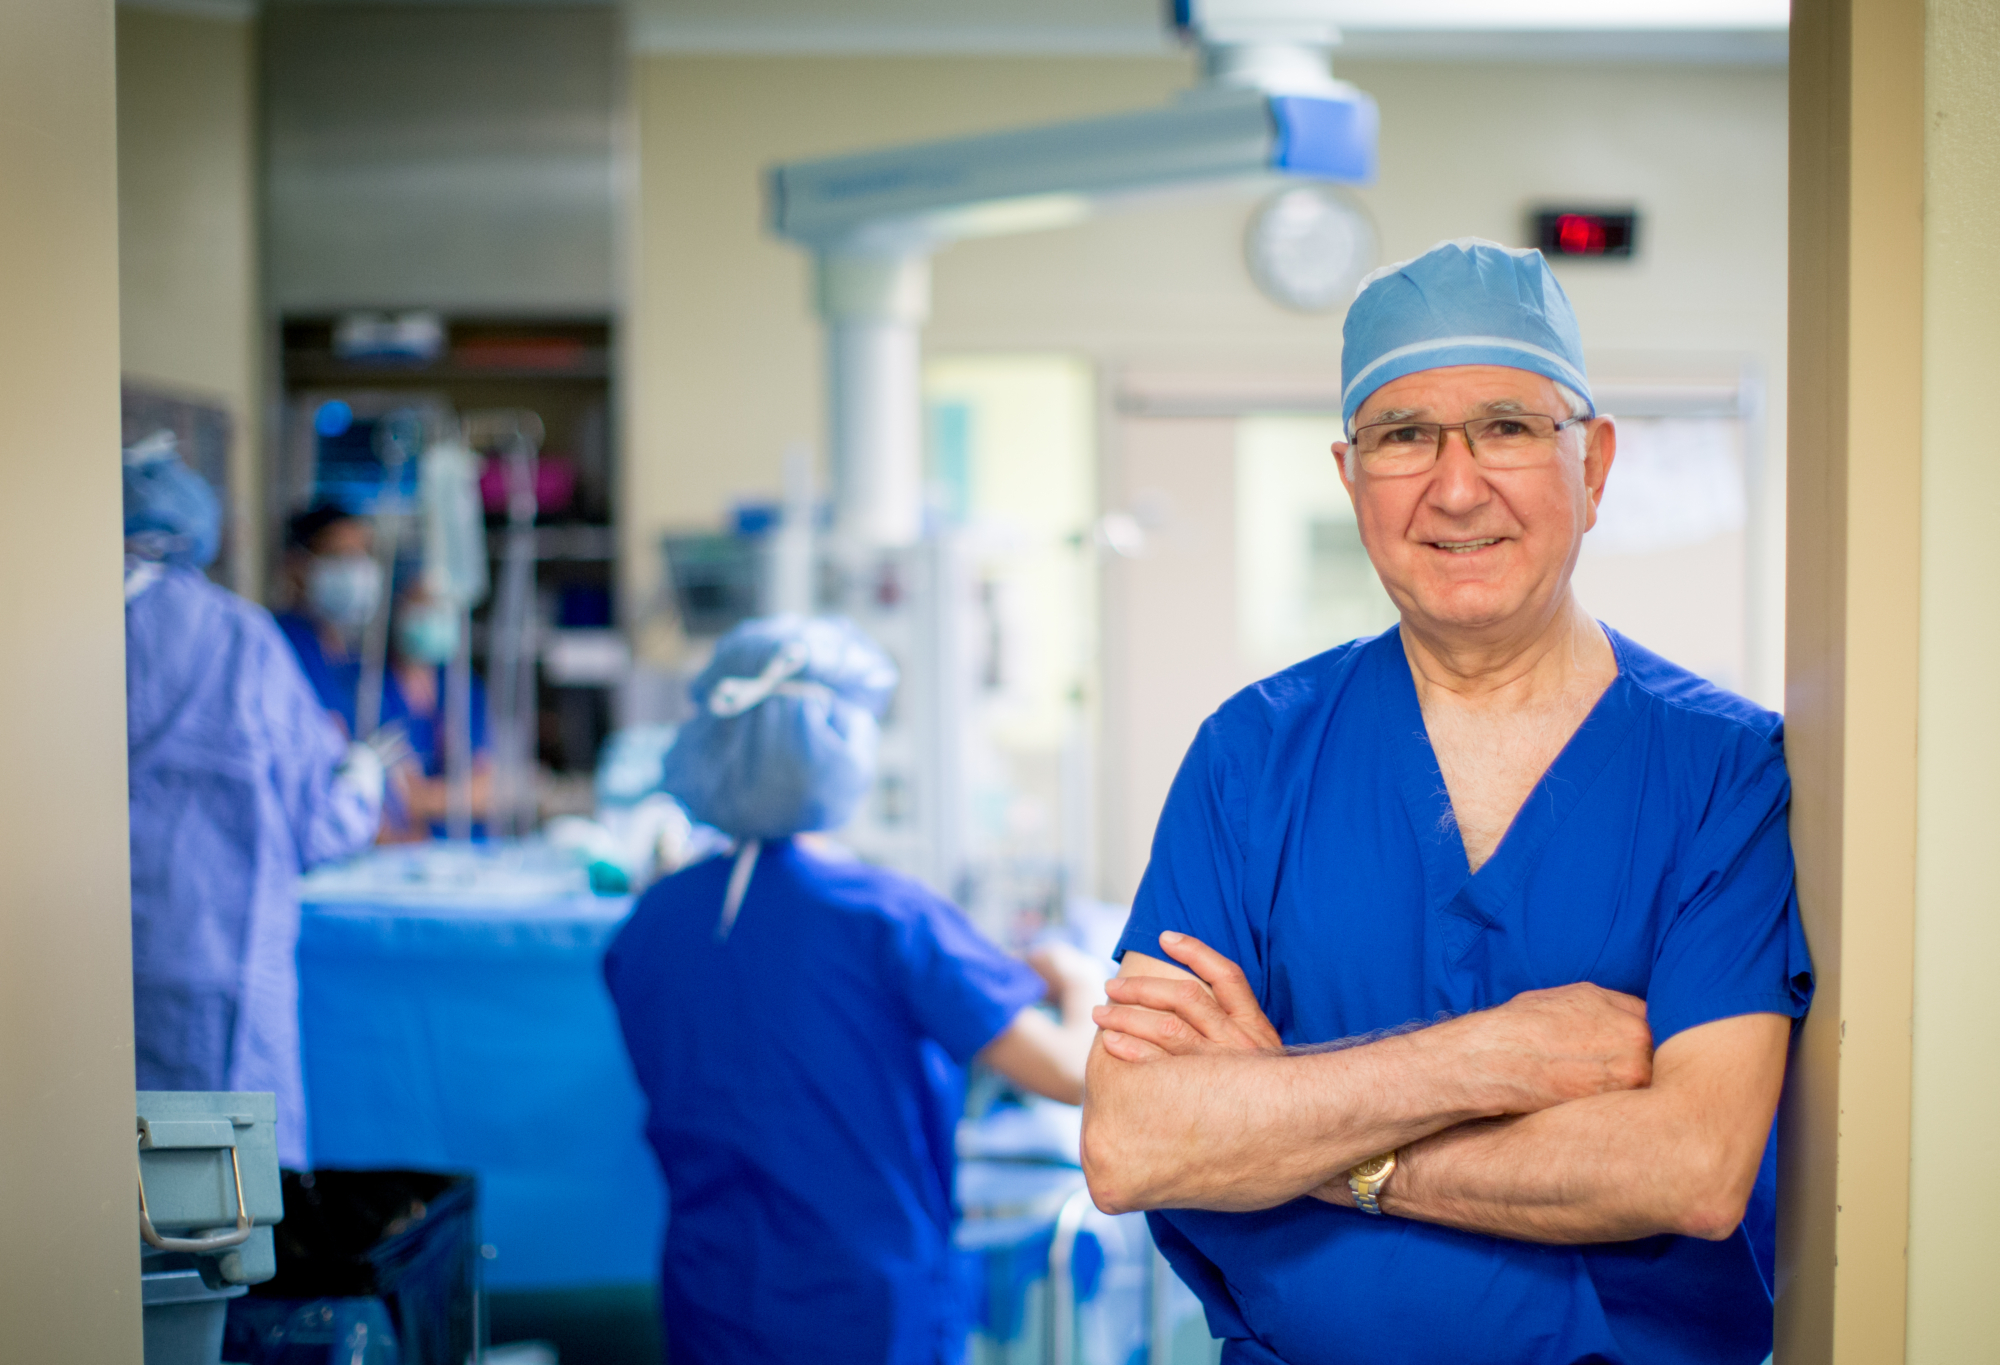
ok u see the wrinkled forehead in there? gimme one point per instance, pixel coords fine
(1453, 393)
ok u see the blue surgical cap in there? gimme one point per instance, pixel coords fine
(783, 739)
(1468, 302)
(171, 513)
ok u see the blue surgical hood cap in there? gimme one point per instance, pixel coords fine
(783, 739)
(1466, 302)
(171, 513)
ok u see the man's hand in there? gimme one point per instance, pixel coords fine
(1563, 1044)
(1154, 1016)
(1551, 1046)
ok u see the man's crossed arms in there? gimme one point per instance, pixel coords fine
(1550, 1118)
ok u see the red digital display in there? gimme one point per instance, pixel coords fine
(1585, 232)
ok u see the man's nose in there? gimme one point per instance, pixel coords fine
(1457, 483)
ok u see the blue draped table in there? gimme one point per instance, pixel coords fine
(467, 1029)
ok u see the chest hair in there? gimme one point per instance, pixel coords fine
(1493, 754)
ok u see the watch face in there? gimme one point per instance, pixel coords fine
(1374, 1167)
(1308, 246)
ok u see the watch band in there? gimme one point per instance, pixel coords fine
(1367, 1180)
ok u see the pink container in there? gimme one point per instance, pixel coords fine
(555, 484)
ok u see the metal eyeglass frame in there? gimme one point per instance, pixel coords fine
(1437, 450)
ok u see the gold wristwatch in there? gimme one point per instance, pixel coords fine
(1368, 1179)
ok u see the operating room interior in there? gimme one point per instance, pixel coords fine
(511, 288)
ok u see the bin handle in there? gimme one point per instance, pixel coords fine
(220, 1241)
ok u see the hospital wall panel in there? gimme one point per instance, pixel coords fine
(452, 156)
(69, 1236)
(1851, 670)
(1955, 1105)
(187, 229)
(1169, 624)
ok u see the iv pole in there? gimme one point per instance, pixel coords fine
(397, 439)
(518, 432)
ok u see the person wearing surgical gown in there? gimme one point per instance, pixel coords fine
(240, 781)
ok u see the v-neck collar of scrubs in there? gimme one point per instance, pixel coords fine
(1450, 886)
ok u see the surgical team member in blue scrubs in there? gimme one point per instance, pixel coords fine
(1501, 819)
(239, 782)
(336, 587)
(800, 1023)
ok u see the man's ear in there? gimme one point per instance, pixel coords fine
(1340, 465)
(1600, 448)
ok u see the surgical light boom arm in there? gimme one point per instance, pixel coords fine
(913, 199)
(873, 218)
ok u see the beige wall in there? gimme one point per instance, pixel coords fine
(69, 1282)
(724, 361)
(1886, 1250)
(187, 227)
(1954, 1263)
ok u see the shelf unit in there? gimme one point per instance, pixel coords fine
(559, 368)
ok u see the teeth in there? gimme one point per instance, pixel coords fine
(1459, 547)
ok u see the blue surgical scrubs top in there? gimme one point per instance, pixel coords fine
(804, 1077)
(1309, 837)
(337, 683)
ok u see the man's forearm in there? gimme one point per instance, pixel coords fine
(1572, 1174)
(1252, 1131)
(1193, 1103)
(1678, 1157)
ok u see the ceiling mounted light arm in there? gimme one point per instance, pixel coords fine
(1269, 111)
(874, 306)
(919, 197)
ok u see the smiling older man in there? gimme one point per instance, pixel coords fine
(1534, 876)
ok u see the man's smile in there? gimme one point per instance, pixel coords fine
(1465, 547)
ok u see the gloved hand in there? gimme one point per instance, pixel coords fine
(1074, 978)
(391, 745)
(362, 772)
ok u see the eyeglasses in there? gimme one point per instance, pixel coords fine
(1519, 440)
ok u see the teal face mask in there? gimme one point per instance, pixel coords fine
(427, 632)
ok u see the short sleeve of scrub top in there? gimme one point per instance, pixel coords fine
(962, 990)
(1735, 946)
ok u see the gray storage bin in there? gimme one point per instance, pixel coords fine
(184, 1318)
(208, 1195)
(200, 1153)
